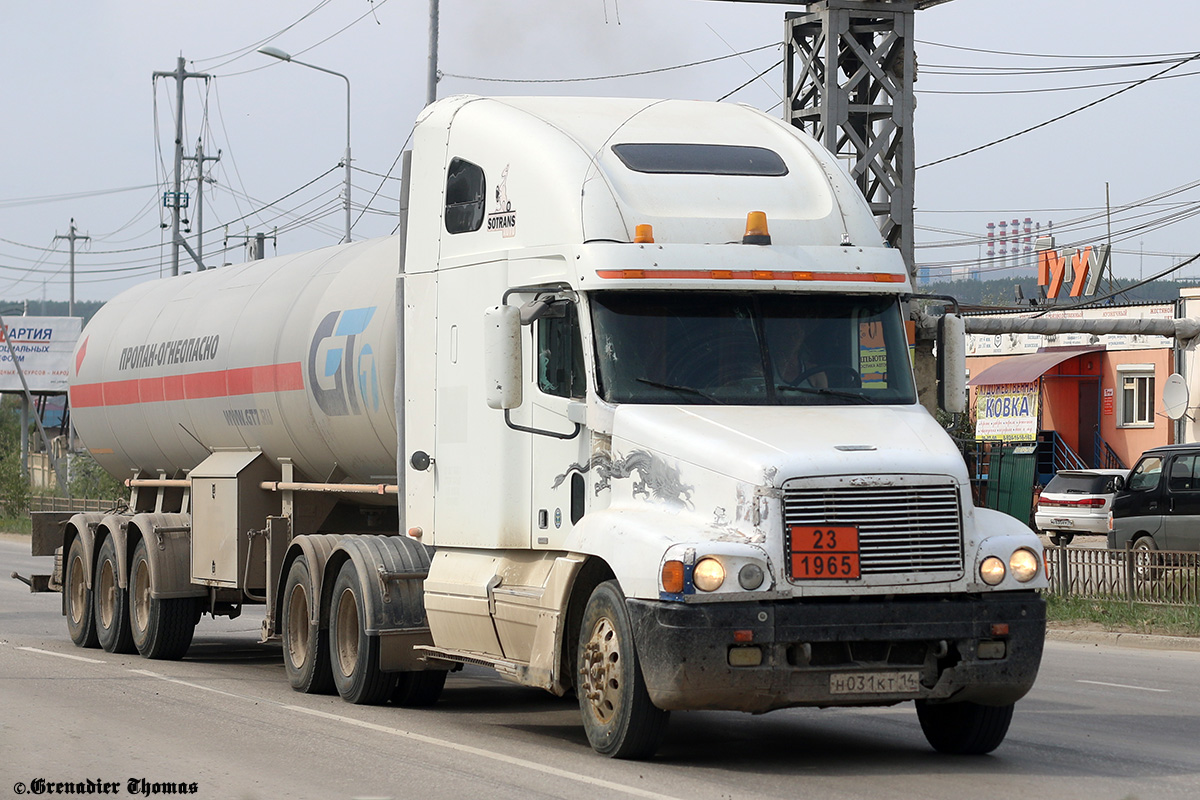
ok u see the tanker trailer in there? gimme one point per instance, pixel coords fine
(625, 409)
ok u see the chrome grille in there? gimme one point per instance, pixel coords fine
(900, 528)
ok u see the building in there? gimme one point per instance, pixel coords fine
(1090, 400)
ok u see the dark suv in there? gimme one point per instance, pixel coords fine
(1159, 505)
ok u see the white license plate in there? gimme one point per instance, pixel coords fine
(874, 683)
(1062, 521)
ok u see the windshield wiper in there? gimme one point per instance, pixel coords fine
(787, 387)
(685, 389)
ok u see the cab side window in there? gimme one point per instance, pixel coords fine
(465, 191)
(560, 369)
(1182, 477)
(1146, 474)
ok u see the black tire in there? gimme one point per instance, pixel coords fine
(353, 654)
(1147, 562)
(418, 689)
(305, 643)
(111, 602)
(81, 620)
(618, 716)
(964, 728)
(162, 628)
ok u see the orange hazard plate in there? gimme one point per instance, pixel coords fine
(822, 552)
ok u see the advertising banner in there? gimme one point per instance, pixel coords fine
(43, 346)
(1007, 411)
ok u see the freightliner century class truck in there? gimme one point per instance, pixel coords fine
(626, 408)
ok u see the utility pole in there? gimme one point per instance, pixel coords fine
(431, 80)
(200, 158)
(71, 237)
(177, 200)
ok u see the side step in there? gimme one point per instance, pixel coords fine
(512, 669)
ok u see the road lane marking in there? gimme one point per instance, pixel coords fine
(161, 677)
(431, 740)
(477, 751)
(1126, 686)
(62, 655)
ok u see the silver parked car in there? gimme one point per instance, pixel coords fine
(1076, 501)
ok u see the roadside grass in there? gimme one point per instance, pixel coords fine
(21, 524)
(1122, 616)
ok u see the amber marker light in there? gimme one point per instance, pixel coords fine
(672, 577)
(756, 228)
(643, 234)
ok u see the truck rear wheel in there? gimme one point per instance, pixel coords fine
(618, 716)
(81, 621)
(162, 628)
(353, 654)
(111, 602)
(964, 728)
(305, 644)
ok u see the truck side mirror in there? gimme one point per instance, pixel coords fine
(1118, 483)
(952, 363)
(502, 356)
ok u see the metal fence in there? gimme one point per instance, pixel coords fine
(1159, 577)
(77, 504)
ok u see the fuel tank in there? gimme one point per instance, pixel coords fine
(294, 355)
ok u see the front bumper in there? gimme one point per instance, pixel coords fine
(807, 646)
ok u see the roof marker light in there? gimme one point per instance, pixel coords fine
(643, 234)
(756, 228)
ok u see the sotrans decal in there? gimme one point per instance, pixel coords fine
(341, 374)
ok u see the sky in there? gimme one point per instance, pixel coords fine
(86, 132)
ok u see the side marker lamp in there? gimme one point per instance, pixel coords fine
(672, 577)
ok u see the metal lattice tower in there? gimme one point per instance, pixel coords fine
(850, 69)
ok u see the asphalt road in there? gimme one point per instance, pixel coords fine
(1102, 722)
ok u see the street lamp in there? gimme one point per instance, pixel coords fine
(275, 52)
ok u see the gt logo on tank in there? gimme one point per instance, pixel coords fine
(343, 376)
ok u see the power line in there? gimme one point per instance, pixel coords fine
(1060, 116)
(610, 77)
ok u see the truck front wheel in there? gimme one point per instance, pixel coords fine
(111, 602)
(355, 655)
(964, 728)
(162, 628)
(305, 644)
(618, 716)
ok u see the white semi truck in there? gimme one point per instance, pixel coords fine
(626, 408)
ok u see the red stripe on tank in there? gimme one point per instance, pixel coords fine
(192, 386)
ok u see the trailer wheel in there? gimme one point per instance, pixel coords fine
(418, 689)
(111, 603)
(353, 654)
(162, 628)
(81, 620)
(964, 728)
(305, 644)
(618, 716)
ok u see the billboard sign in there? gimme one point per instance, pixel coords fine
(43, 346)
(1007, 411)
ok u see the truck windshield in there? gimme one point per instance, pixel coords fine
(728, 348)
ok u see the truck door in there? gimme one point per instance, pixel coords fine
(1181, 518)
(558, 393)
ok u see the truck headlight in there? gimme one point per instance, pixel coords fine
(991, 570)
(1024, 565)
(751, 576)
(708, 574)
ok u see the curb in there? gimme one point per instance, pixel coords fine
(1141, 640)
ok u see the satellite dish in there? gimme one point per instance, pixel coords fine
(1175, 396)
